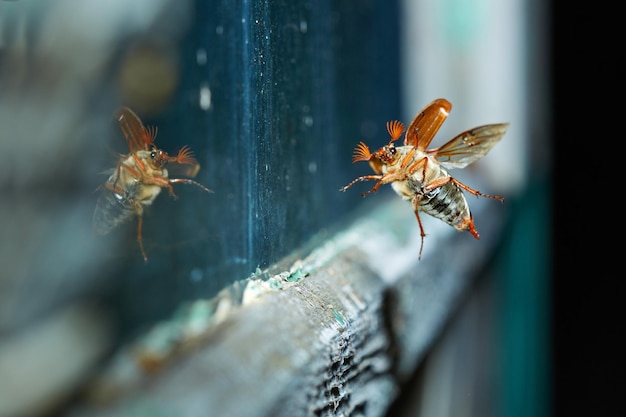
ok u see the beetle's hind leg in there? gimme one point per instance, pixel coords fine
(416, 204)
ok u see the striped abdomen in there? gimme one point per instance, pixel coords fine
(448, 204)
(112, 209)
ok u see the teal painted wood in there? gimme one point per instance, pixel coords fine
(339, 335)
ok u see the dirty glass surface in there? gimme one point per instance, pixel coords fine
(271, 96)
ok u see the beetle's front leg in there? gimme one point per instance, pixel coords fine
(188, 181)
(162, 182)
(364, 178)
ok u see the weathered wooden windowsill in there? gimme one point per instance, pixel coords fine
(335, 333)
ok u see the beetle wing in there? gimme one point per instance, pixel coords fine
(425, 125)
(136, 134)
(469, 146)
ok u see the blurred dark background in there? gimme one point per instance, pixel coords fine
(586, 304)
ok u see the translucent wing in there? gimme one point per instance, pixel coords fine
(425, 125)
(469, 146)
(137, 136)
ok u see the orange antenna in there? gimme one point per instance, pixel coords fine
(361, 153)
(152, 133)
(185, 156)
(395, 129)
